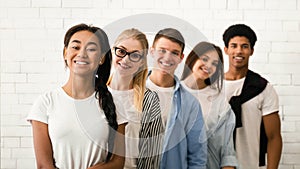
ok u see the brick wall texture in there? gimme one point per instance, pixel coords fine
(31, 42)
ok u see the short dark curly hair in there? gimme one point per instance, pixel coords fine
(239, 30)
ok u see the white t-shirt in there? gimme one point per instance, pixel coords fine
(165, 95)
(248, 136)
(132, 129)
(213, 103)
(78, 128)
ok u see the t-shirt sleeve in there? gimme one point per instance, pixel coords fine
(39, 110)
(121, 114)
(270, 102)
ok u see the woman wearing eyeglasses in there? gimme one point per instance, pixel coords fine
(128, 87)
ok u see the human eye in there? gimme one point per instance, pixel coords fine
(91, 49)
(233, 46)
(162, 51)
(75, 47)
(135, 56)
(120, 52)
(246, 46)
(204, 59)
(176, 54)
(215, 64)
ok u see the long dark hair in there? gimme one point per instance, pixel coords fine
(198, 51)
(102, 75)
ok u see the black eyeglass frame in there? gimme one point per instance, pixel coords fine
(128, 53)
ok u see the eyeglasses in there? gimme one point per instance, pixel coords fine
(133, 56)
(163, 52)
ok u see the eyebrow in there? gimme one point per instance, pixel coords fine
(126, 49)
(90, 43)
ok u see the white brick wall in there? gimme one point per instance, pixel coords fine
(31, 40)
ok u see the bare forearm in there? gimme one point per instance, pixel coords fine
(274, 152)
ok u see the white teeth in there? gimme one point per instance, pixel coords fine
(80, 63)
(166, 64)
(238, 57)
(124, 66)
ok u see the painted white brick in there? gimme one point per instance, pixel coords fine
(292, 148)
(77, 4)
(285, 166)
(291, 159)
(13, 77)
(296, 79)
(23, 13)
(288, 90)
(287, 47)
(251, 4)
(216, 4)
(7, 34)
(26, 163)
(26, 23)
(102, 4)
(16, 131)
(22, 109)
(274, 26)
(45, 78)
(28, 88)
(33, 34)
(8, 52)
(85, 13)
(289, 100)
(291, 26)
(11, 142)
(22, 153)
(232, 4)
(259, 57)
(53, 23)
(37, 67)
(228, 14)
(291, 137)
(187, 4)
(5, 152)
(6, 23)
(281, 4)
(289, 15)
(15, 3)
(8, 164)
(11, 120)
(145, 4)
(293, 36)
(279, 79)
(55, 13)
(291, 110)
(27, 142)
(46, 3)
(9, 99)
(7, 88)
(269, 36)
(288, 126)
(3, 13)
(284, 58)
(276, 68)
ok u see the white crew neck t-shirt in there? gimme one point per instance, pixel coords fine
(248, 136)
(132, 129)
(165, 95)
(78, 128)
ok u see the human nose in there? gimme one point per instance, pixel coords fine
(82, 52)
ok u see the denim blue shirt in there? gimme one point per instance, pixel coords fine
(185, 143)
(220, 147)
